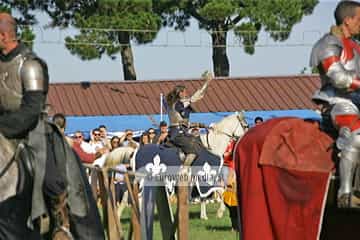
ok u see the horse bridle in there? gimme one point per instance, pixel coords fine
(242, 123)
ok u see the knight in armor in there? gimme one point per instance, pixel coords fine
(23, 91)
(179, 109)
(337, 57)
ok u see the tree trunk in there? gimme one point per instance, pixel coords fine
(220, 59)
(127, 57)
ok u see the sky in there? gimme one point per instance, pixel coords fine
(182, 55)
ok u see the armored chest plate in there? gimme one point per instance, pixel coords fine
(10, 84)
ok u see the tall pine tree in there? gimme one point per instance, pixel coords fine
(245, 17)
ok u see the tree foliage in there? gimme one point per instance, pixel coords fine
(106, 27)
(245, 17)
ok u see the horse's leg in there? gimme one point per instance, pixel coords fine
(165, 214)
(147, 211)
(221, 210)
(203, 214)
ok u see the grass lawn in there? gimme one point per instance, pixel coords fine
(211, 229)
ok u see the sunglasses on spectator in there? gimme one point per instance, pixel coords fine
(96, 134)
(151, 132)
(78, 136)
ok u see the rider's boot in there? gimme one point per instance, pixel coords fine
(60, 216)
(189, 159)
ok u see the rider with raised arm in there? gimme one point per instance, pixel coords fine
(179, 109)
(337, 57)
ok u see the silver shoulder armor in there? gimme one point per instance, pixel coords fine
(327, 46)
(34, 76)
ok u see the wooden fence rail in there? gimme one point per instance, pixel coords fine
(102, 185)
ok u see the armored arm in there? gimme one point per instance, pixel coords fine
(34, 77)
(199, 94)
(327, 58)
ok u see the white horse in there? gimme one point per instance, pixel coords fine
(216, 141)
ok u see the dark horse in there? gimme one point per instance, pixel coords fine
(16, 203)
(286, 184)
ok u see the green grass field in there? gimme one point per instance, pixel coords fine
(211, 229)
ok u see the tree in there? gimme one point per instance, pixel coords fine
(106, 27)
(246, 17)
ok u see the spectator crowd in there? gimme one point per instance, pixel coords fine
(94, 150)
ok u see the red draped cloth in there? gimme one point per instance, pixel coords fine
(283, 168)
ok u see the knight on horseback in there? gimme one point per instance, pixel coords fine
(179, 109)
(337, 57)
(37, 144)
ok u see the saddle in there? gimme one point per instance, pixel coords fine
(200, 147)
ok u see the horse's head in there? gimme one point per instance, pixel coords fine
(219, 135)
(233, 126)
(119, 155)
(244, 126)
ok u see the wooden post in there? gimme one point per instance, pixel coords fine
(113, 230)
(94, 182)
(103, 199)
(112, 189)
(183, 207)
(135, 218)
(101, 187)
(133, 197)
(135, 212)
(112, 196)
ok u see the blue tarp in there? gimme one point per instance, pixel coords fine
(143, 122)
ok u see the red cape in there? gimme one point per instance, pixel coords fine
(283, 168)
